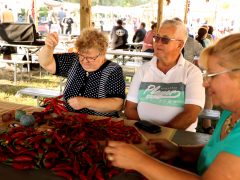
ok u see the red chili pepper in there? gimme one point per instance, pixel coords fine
(91, 171)
(47, 163)
(61, 165)
(99, 174)
(23, 166)
(19, 135)
(61, 149)
(31, 153)
(20, 149)
(48, 108)
(81, 135)
(36, 145)
(64, 174)
(66, 168)
(82, 176)
(76, 167)
(3, 158)
(36, 139)
(62, 108)
(22, 158)
(51, 155)
(59, 139)
(16, 129)
(19, 142)
(57, 111)
(87, 158)
(11, 150)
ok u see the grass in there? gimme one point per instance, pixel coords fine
(8, 89)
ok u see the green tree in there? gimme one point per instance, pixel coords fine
(43, 12)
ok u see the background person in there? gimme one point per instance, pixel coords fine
(94, 85)
(119, 36)
(68, 21)
(220, 157)
(7, 17)
(167, 90)
(148, 39)
(140, 33)
(210, 32)
(205, 40)
(202, 37)
(192, 47)
(61, 16)
(50, 18)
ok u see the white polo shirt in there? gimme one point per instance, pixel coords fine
(160, 96)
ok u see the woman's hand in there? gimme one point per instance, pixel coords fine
(51, 40)
(124, 155)
(78, 102)
(163, 149)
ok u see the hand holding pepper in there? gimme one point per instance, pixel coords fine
(52, 40)
(163, 149)
(78, 102)
(124, 155)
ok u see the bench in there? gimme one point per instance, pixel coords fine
(16, 64)
(41, 93)
(38, 93)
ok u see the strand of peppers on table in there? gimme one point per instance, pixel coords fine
(71, 148)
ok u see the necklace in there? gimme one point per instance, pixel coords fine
(229, 126)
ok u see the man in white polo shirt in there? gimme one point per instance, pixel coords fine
(167, 90)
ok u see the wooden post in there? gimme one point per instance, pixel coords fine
(186, 11)
(160, 13)
(85, 14)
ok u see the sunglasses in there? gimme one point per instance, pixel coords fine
(164, 40)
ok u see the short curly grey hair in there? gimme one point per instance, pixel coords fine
(91, 38)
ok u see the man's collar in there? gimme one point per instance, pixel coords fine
(180, 62)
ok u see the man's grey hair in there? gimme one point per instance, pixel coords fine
(180, 27)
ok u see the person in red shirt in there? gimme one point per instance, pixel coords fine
(148, 39)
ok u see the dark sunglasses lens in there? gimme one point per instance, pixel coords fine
(165, 40)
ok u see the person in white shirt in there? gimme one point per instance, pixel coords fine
(167, 90)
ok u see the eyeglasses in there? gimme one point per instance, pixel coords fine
(164, 40)
(207, 76)
(90, 59)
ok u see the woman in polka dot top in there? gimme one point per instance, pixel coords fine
(94, 85)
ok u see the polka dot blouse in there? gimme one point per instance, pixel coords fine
(106, 82)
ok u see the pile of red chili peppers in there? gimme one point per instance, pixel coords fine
(72, 148)
(55, 105)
